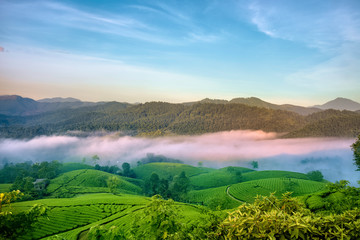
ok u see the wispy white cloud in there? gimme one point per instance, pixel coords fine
(59, 14)
(324, 29)
(197, 37)
(69, 13)
(260, 19)
(176, 25)
(333, 31)
(192, 32)
(171, 11)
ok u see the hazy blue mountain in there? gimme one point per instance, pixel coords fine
(340, 104)
(58, 99)
(13, 105)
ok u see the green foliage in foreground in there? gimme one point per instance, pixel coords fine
(163, 219)
(286, 218)
(13, 225)
(336, 198)
(267, 218)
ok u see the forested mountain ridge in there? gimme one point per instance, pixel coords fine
(161, 118)
(15, 105)
(256, 102)
(330, 123)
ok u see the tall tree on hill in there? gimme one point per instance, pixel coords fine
(113, 183)
(126, 168)
(151, 186)
(164, 188)
(315, 176)
(356, 149)
(255, 164)
(95, 159)
(180, 186)
(127, 172)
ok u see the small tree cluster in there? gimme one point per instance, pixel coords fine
(176, 189)
(315, 176)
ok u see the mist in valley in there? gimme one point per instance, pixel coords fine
(332, 156)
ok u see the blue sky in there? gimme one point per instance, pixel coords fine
(300, 52)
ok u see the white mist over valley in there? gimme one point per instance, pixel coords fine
(332, 156)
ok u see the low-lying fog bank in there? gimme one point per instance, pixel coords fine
(332, 156)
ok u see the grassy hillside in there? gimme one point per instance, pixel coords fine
(89, 206)
(220, 177)
(247, 191)
(213, 198)
(168, 170)
(69, 218)
(255, 175)
(88, 181)
(5, 187)
(68, 167)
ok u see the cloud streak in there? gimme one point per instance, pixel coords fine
(331, 155)
(326, 30)
(331, 28)
(129, 21)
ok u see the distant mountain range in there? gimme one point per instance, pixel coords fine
(14, 105)
(24, 117)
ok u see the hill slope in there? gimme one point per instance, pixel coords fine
(247, 191)
(220, 177)
(87, 181)
(340, 104)
(168, 170)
